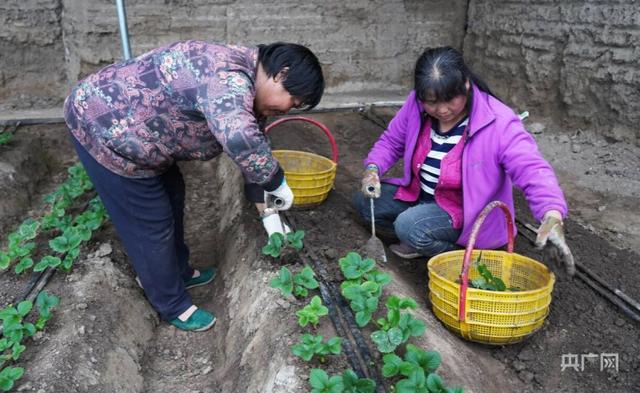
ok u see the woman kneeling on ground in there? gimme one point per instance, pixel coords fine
(132, 121)
(462, 148)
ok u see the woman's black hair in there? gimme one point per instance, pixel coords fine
(303, 79)
(441, 74)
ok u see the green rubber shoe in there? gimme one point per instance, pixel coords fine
(199, 321)
(205, 277)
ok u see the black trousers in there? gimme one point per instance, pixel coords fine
(148, 217)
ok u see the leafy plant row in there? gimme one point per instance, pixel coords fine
(15, 330)
(65, 233)
(363, 285)
(72, 230)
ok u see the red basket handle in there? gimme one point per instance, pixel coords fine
(466, 261)
(332, 141)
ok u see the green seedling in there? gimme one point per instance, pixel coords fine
(45, 303)
(274, 245)
(8, 377)
(283, 281)
(298, 284)
(354, 267)
(394, 306)
(5, 137)
(312, 312)
(353, 384)
(415, 358)
(47, 261)
(278, 242)
(321, 383)
(486, 280)
(304, 281)
(13, 330)
(24, 264)
(397, 333)
(363, 300)
(294, 239)
(311, 345)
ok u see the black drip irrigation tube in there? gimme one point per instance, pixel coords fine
(342, 318)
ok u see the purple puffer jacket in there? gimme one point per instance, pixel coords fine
(498, 153)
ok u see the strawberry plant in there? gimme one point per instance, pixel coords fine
(298, 284)
(311, 345)
(5, 137)
(274, 245)
(321, 383)
(353, 384)
(348, 382)
(354, 267)
(407, 326)
(8, 376)
(277, 242)
(294, 239)
(363, 285)
(486, 280)
(415, 358)
(45, 303)
(312, 312)
(363, 300)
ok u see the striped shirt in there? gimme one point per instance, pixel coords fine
(441, 144)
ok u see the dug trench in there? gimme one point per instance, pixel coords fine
(104, 336)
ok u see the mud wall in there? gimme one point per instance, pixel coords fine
(363, 45)
(31, 53)
(575, 62)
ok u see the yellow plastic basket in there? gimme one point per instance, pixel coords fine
(309, 175)
(490, 317)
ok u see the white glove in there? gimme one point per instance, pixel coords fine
(284, 193)
(273, 224)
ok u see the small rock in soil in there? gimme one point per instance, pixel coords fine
(331, 253)
(81, 306)
(207, 370)
(563, 139)
(518, 365)
(576, 148)
(526, 376)
(580, 306)
(526, 355)
(26, 386)
(619, 322)
(81, 330)
(104, 250)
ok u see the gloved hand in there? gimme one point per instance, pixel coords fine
(371, 182)
(284, 193)
(552, 230)
(273, 224)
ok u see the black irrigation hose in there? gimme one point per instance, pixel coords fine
(614, 296)
(363, 352)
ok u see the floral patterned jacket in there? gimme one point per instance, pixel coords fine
(190, 100)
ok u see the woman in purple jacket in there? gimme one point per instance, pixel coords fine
(462, 148)
(191, 100)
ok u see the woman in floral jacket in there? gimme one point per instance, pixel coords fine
(192, 100)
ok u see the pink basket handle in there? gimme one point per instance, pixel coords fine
(466, 261)
(332, 141)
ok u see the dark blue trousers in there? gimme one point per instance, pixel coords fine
(148, 217)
